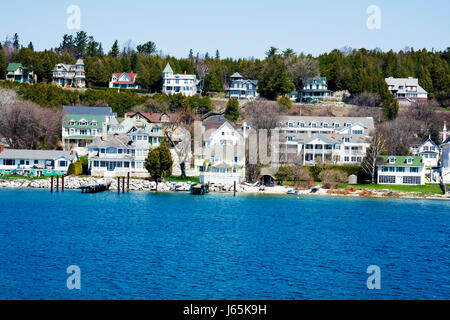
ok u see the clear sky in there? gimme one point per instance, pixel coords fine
(238, 28)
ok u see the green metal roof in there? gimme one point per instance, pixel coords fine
(400, 161)
(88, 117)
(14, 66)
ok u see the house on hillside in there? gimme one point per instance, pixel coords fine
(403, 170)
(154, 117)
(311, 140)
(35, 162)
(69, 75)
(406, 91)
(124, 81)
(223, 152)
(241, 88)
(186, 84)
(16, 72)
(81, 124)
(313, 89)
(445, 159)
(429, 151)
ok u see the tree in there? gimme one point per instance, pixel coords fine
(232, 112)
(271, 52)
(191, 55)
(159, 163)
(217, 54)
(377, 147)
(16, 43)
(115, 49)
(177, 131)
(300, 70)
(285, 102)
(3, 65)
(147, 48)
(7, 97)
(274, 80)
(81, 42)
(30, 46)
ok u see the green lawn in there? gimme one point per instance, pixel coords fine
(19, 177)
(427, 189)
(178, 179)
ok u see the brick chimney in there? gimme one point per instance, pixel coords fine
(2, 147)
(104, 131)
(185, 72)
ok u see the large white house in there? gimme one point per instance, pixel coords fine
(223, 157)
(405, 170)
(81, 124)
(35, 162)
(70, 75)
(406, 91)
(445, 161)
(310, 140)
(429, 151)
(186, 84)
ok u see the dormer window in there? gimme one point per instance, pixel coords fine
(313, 124)
(94, 123)
(302, 124)
(391, 159)
(409, 160)
(325, 125)
(72, 122)
(290, 124)
(336, 124)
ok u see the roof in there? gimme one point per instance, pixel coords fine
(400, 161)
(112, 140)
(397, 82)
(35, 154)
(446, 140)
(168, 68)
(154, 116)
(366, 121)
(85, 110)
(236, 75)
(131, 76)
(14, 66)
(317, 79)
(80, 61)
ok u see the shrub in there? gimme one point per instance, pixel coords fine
(348, 169)
(75, 169)
(332, 177)
(285, 102)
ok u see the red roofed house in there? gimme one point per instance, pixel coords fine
(124, 81)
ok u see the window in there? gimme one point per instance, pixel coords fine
(391, 159)
(400, 169)
(411, 180)
(409, 160)
(346, 159)
(9, 162)
(290, 138)
(36, 161)
(414, 169)
(357, 132)
(63, 163)
(347, 139)
(387, 179)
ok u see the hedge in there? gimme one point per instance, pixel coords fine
(347, 169)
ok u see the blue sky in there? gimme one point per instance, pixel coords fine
(238, 28)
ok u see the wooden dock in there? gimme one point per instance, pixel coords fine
(94, 188)
(200, 189)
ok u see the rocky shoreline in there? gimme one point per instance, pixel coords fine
(74, 183)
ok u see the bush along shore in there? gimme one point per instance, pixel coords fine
(344, 190)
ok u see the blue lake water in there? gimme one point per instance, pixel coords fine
(178, 246)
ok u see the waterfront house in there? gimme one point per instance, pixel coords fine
(310, 140)
(186, 84)
(69, 75)
(429, 151)
(241, 88)
(124, 81)
(81, 124)
(16, 72)
(35, 162)
(223, 157)
(402, 170)
(445, 161)
(154, 117)
(406, 91)
(315, 88)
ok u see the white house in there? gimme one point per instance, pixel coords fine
(186, 84)
(445, 161)
(241, 88)
(35, 162)
(124, 81)
(223, 156)
(405, 170)
(406, 91)
(429, 151)
(70, 75)
(310, 140)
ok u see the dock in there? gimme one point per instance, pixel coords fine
(95, 188)
(200, 189)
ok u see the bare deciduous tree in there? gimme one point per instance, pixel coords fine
(261, 114)
(26, 125)
(7, 97)
(301, 69)
(376, 148)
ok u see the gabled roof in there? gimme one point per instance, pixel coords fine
(397, 82)
(35, 154)
(105, 111)
(168, 68)
(400, 161)
(154, 116)
(130, 76)
(428, 140)
(236, 75)
(14, 66)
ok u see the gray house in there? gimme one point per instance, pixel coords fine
(241, 88)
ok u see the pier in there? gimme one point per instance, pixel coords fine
(94, 188)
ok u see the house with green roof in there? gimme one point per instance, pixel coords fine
(315, 88)
(18, 73)
(401, 170)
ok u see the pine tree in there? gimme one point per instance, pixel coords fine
(30, 46)
(16, 44)
(232, 112)
(115, 49)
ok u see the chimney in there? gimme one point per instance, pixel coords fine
(444, 132)
(104, 131)
(2, 147)
(333, 135)
(184, 71)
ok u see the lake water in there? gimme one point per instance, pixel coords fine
(178, 246)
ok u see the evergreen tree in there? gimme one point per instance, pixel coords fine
(217, 54)
(16, 44)
(30, 46)
(232, 112)
(3, 64)
(191, 54)
(115, 49)
(274, 80)
(159, 163)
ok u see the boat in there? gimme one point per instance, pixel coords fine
(198, 188)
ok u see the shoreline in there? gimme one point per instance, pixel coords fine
(140, 185)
